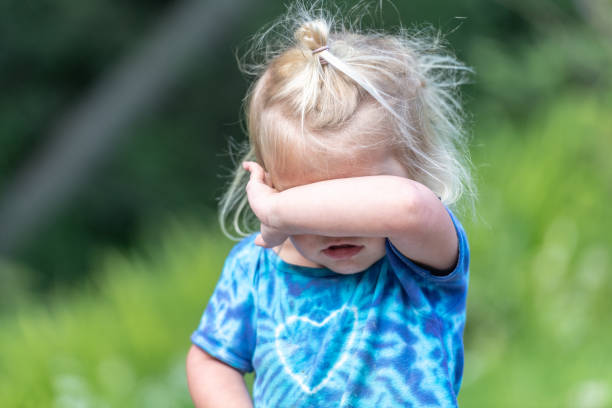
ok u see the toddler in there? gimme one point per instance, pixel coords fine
(353, 293)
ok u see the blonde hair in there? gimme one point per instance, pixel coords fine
(303, 101)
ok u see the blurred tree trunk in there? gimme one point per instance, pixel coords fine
(91, 130)
(597, 13)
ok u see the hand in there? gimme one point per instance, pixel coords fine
(270, 237)
(260, 195)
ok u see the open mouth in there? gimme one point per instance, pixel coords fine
(343, 251)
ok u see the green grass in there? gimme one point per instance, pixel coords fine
(538, 331)
(538, 311)
(120, 341)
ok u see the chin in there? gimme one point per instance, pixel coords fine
(347, 271)
(353, 268)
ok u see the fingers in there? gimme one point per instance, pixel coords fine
(260, 241)
(270, 237)
(267, 180)
(257, 172)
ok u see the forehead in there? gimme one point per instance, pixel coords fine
(333, 165)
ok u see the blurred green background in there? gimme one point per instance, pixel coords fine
(104, 274)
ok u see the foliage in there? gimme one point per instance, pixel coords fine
(53, 52)
(536, 333)
(537, 330)
(538, 327)
(120, 340)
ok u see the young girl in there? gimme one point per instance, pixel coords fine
(353, 294)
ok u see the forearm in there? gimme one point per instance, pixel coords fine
(213, 384)
(377, 206)
(403, 210)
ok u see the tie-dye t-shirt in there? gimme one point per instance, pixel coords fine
(390, 336)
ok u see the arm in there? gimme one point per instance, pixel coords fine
(403, 210)
(214, 384)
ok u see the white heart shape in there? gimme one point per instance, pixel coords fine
(285, 348)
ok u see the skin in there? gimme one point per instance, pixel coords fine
(214, 384)
(310, 218)
(361, 205)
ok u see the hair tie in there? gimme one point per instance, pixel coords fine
(322, 61)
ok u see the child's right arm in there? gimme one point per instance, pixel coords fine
(406, 212)
(215, 384)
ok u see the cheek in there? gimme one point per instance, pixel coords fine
(304, 243)
(377, 246)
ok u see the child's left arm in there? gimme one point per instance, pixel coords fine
(403, 210)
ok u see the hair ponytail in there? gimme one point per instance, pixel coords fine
(408, 82)
(312, 35)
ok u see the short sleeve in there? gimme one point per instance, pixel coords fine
(226, 329)
(458, 276)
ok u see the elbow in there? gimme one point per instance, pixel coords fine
(414, 210)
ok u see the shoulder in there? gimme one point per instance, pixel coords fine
(244, 248)
(463, 261)
(464, 248)
(243, 254)
(400, 262)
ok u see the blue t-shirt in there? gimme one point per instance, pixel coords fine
(390, 336)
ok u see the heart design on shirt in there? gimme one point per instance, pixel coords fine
(312, 351)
